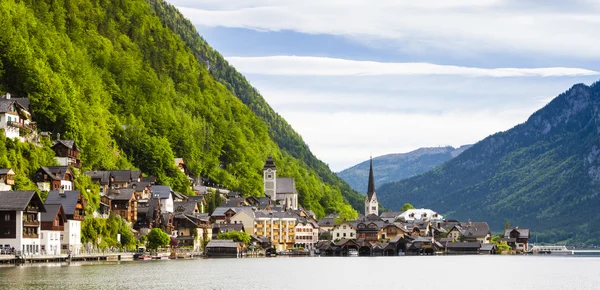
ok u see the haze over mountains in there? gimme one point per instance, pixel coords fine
(543, 174)
(398, 166)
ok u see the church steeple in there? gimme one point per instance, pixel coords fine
(371, 204)
(371, 189)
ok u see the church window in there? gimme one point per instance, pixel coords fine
(269, 176)
(373, 208)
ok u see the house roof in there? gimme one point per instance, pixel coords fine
(235, 201)
(55, 172)
(5, 105)
(473, 229)
(285, 185)
(185, 207)
(463, 245)
(140, 185)
(222, 244)
(6, 171)
(488, 247)
(163, 191)
(270, 163)
(523, 233)
(390, 214)
(68, 199)
(19, 199)
(51, 211)
(125, 175)
(120, 193)
(326, 222)
(102, 176)
(24, 102)
(67, 143)
(220, 211)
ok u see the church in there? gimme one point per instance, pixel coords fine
(281, 191)
(371, 204)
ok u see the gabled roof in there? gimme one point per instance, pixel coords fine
(6, 171)
(163, 191)
(270, 163)
(140, 185)
(523, 233)
(55, 172)
(68, 199)
(390, 214)
(235, 201)
(52, 210)
(222, 244)
(120, 193)
(67, 143)
(285, 185)
(125, 175)
(185, 207)
(102, 176)
(473, 229)
(18, 200)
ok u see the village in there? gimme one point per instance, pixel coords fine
(276, 223)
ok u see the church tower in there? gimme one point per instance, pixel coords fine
(371, 204)
(270, 179)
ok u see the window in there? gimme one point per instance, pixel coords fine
(7, 217)
(269, 176)
(373, 208)
(344, 227)
(351, 235)
(337, 235)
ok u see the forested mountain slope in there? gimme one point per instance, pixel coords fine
(280, 131)
(111, 76)
(398, 166)
(543, 174)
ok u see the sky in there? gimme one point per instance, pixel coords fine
(368, 78)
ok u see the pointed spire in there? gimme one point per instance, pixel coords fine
(371, 189)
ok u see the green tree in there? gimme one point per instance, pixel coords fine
(236, 236)
(157, 239)
(406, 207)
(506, 225)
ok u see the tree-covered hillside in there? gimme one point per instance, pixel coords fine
(280, 131)
(543, 174)
(395, 167)
(111, 76)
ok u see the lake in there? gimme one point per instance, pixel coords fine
(419, 272)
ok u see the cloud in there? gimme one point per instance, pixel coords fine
(322, 66)
(465, 27)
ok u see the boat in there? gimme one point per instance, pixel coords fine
(352, 253)
(145, 257)
(552, 249)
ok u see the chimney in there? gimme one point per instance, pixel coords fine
(61, 191)
(57, 136)
(7, 96)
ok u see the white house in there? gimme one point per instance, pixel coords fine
(7, 179)
(306, 233)
(70, 238)
(165, 194)
(15, 118)
(20, 221)
(344, 230)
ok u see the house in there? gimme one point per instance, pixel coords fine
(278, 226)
(67, 153)
(224, 214)
(517, 238)
(246, 218)
(225, 228)
(70, 238)
(369, 230)
(53, 224)
(390, 231)
(142, 189)
(223, 249)
(488, 249)
(186, 223)
(471, 232)
(148, 215)
(72, 201)
(7, 179)
(327, 223)
(165, 194)
(123, 178)
(54, 178)
(344, 230)
(122, 202)
(15, 118)
(20, 214)
(102, 178)
(306, 233)
(280, 190)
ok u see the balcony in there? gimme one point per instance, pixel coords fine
(58, 228)
(31, 236)
(31, 223)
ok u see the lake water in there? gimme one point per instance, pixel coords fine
(421, 272)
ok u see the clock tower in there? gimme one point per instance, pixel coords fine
(270, 179)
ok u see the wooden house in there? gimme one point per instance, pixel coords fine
(67, 153)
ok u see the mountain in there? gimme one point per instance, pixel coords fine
(398, 166)
(543, 174)
(112, 76)
(279, 130)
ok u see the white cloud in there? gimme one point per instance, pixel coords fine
(457, 26)
(322, 66)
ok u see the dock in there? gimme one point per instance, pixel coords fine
(20, 259)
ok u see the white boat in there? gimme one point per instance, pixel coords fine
(352, 253)
(553, 249)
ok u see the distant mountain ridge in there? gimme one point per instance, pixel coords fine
(543, 174)
(398, 166)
